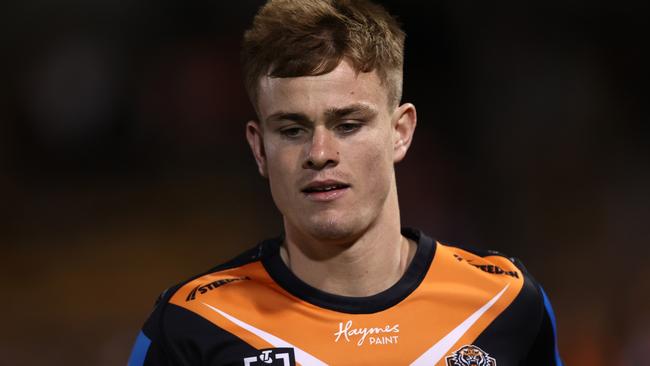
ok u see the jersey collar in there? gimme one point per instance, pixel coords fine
(413, 276)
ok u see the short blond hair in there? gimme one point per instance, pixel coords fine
(291, 38)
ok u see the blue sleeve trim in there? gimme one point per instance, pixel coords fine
(551, 315)
(139, 351)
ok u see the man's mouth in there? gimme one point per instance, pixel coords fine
(325, 190)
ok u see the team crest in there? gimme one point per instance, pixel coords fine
(470, 356)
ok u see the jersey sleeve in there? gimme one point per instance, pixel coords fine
(175, 335)
(150, 347)
(544, 350)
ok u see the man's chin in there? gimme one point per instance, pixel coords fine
(331, 230)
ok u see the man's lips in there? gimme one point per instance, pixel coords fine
(324, 186)
(325, 191)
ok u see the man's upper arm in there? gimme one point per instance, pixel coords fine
(149, 348)
(544, 350)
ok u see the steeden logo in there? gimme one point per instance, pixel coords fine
(489, 268)
(374, 335)
(202, 289)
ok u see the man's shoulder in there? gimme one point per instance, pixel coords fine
(179, 317)
(527, 321)
(497, 266)
(240, 268)
(486, 260)
(475, 267)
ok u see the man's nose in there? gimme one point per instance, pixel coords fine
(322, 150)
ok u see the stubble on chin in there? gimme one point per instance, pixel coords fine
(334, 230)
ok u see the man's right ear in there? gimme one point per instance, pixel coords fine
(256, 142)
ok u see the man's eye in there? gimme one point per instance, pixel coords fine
(347, 127)
(291, 132)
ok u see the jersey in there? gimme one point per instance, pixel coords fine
(452, 307)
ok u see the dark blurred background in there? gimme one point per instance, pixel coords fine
(124, 169)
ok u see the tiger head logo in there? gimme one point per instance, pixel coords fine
(470, 356)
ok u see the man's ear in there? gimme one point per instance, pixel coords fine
(404, 122)
(256, 142)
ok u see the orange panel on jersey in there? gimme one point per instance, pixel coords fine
(455, 302)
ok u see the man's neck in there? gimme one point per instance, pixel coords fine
(365, 266)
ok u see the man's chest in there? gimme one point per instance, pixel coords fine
(434, 327)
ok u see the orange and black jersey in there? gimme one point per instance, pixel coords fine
(452, 307)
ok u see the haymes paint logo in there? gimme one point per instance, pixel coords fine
(375, 335)
(202, 289)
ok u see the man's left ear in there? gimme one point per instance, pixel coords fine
(404, 122)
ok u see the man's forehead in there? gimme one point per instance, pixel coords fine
(339, 88)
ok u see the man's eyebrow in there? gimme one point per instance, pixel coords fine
(361, 110)
(287, 116)
(332, 114)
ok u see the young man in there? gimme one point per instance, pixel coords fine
(345, 284)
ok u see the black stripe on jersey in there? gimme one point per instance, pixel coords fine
(191, 340)
(533, 336)
(514, 329)
(411, 279)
